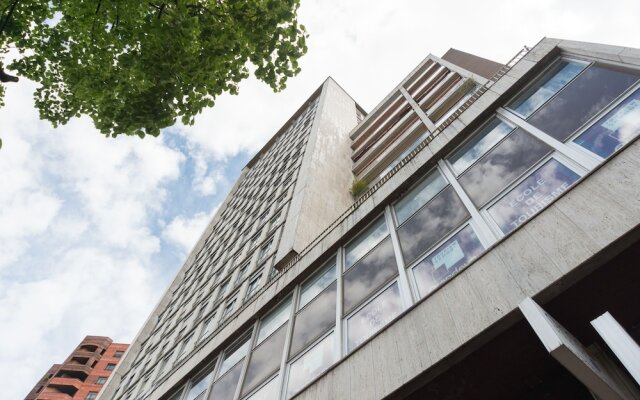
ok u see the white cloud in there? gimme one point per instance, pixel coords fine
(186, 231)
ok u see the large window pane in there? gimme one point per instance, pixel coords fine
(419, 196)
(225, 387)
(311, 365)
(273, 321)
(552, 82)
(265, 360)
(365, 242)
(502, 165)
(617, 128)
(583, 98)
(268, 391)
(484, 140)
(314, 320)
(369, 274)
(428, 226)
(532, 195)
(199, 386)
(234, 354)
(451, 257)
(317, 284)
(374, 316)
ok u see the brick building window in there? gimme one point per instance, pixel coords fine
(101, 380)
(91, 396)
(109, 367)
(118, 354)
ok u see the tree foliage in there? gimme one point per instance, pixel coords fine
(135, 67)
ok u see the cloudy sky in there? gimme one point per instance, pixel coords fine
(92, 230)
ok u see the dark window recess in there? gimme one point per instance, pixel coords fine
(441, 215)
(369, 274)
(583, 98)
(314, 319)
(110, 367)
(118, 354)
(502, 165)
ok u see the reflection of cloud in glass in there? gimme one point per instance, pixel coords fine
(263, 361)
(199, 387)
(556, 79)
(488, 136)
(532, 195)
(365, 242)
(429, 276)
(419, 196)
(443, 214)
(372, 317)
(311, 364)
(502, 165)
(268, 391)
(234, 357)
(316, 285)
(583, 98)
(315, 319)
(369, 274)
(225, 387)
(614, 130)
(272, 321)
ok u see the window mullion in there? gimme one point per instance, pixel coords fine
(406, 292)
(586, 161)
(295, 300)
(485, 234)
(340, 334)
(247, 357)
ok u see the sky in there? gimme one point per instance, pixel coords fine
(92, 230)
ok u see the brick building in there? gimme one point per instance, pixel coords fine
(83, 373)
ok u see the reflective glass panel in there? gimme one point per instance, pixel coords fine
(314, 320)
(315, 285)
(583, 98)
(273, 321)
(199, 387)
(265, 360)
(554, 80)
(365, 242)
(234, 354)
(429, 225)
(532, 195)
(449, 258)
(484, 140)
(374, 316)
(502, 165)
(419, 196)
(614, 130)
(369, 274)
(311, 364)
(268, 391)
(225, 387)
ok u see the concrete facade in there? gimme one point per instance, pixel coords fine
(428, 336)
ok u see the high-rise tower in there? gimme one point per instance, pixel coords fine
(495, 192)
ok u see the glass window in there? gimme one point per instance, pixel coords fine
(265, 249)
(419, 196)
(365, 242)
(199, 386)
(485, 139)
(118, 353)
(372, 317)
(502, 165)
(449, 258)
(532, 195)
(433, 222)
(554, 80)
(110, 367)
(369, 274)
(311, 364)
(234, 354)
(228, 309)
(101, 380)
(225, 387)
(253, 286)
(208, 328)
(273, 321)
(267, 392)
(583, 98)
(614, 130)
(314, 320)
(312, 287)
(265, 360)
(91, 396)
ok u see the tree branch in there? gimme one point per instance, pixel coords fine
(8, 17)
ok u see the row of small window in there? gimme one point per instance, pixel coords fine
(506, 173)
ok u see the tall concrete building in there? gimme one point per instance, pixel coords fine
(83, 373)
(492, 255)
